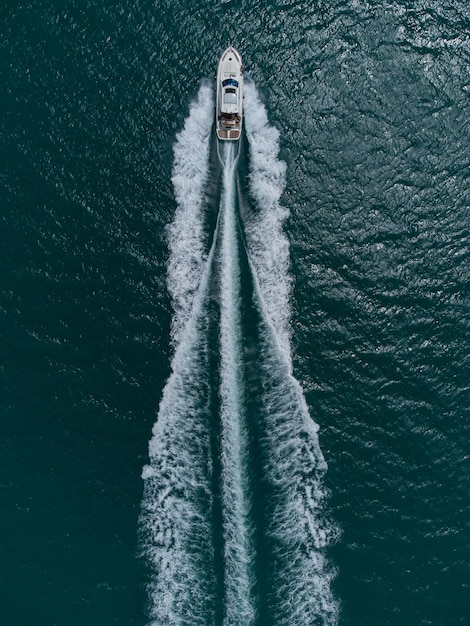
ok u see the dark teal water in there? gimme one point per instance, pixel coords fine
(372, 106)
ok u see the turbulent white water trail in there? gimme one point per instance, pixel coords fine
(238, 540)
(268, 245)
(299, 527)
(185, 233)
(198, 522)
(177, 506)
(177, 502)
(299, 530)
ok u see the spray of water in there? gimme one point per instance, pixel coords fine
(184, 483)
(299, 527)
(185, 233)
(267, 244)
(177, 505)
(237, 527)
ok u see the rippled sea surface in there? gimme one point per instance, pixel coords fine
(372, 105)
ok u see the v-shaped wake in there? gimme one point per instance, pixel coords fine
(234, 523)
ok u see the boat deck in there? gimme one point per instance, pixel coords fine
(228, 134)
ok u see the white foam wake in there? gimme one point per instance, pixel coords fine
(238, 540)
(299, 526)
(185, 233)
(177, 501)
(177, 506)
(180, 485)
(268, 245)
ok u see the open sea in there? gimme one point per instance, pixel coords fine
(235, 379)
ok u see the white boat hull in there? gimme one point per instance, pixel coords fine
(229, 101)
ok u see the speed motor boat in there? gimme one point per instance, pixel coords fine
(229, 104)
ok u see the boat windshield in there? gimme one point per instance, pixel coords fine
(230, 82)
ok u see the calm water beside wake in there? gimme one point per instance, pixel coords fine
(372, 105)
